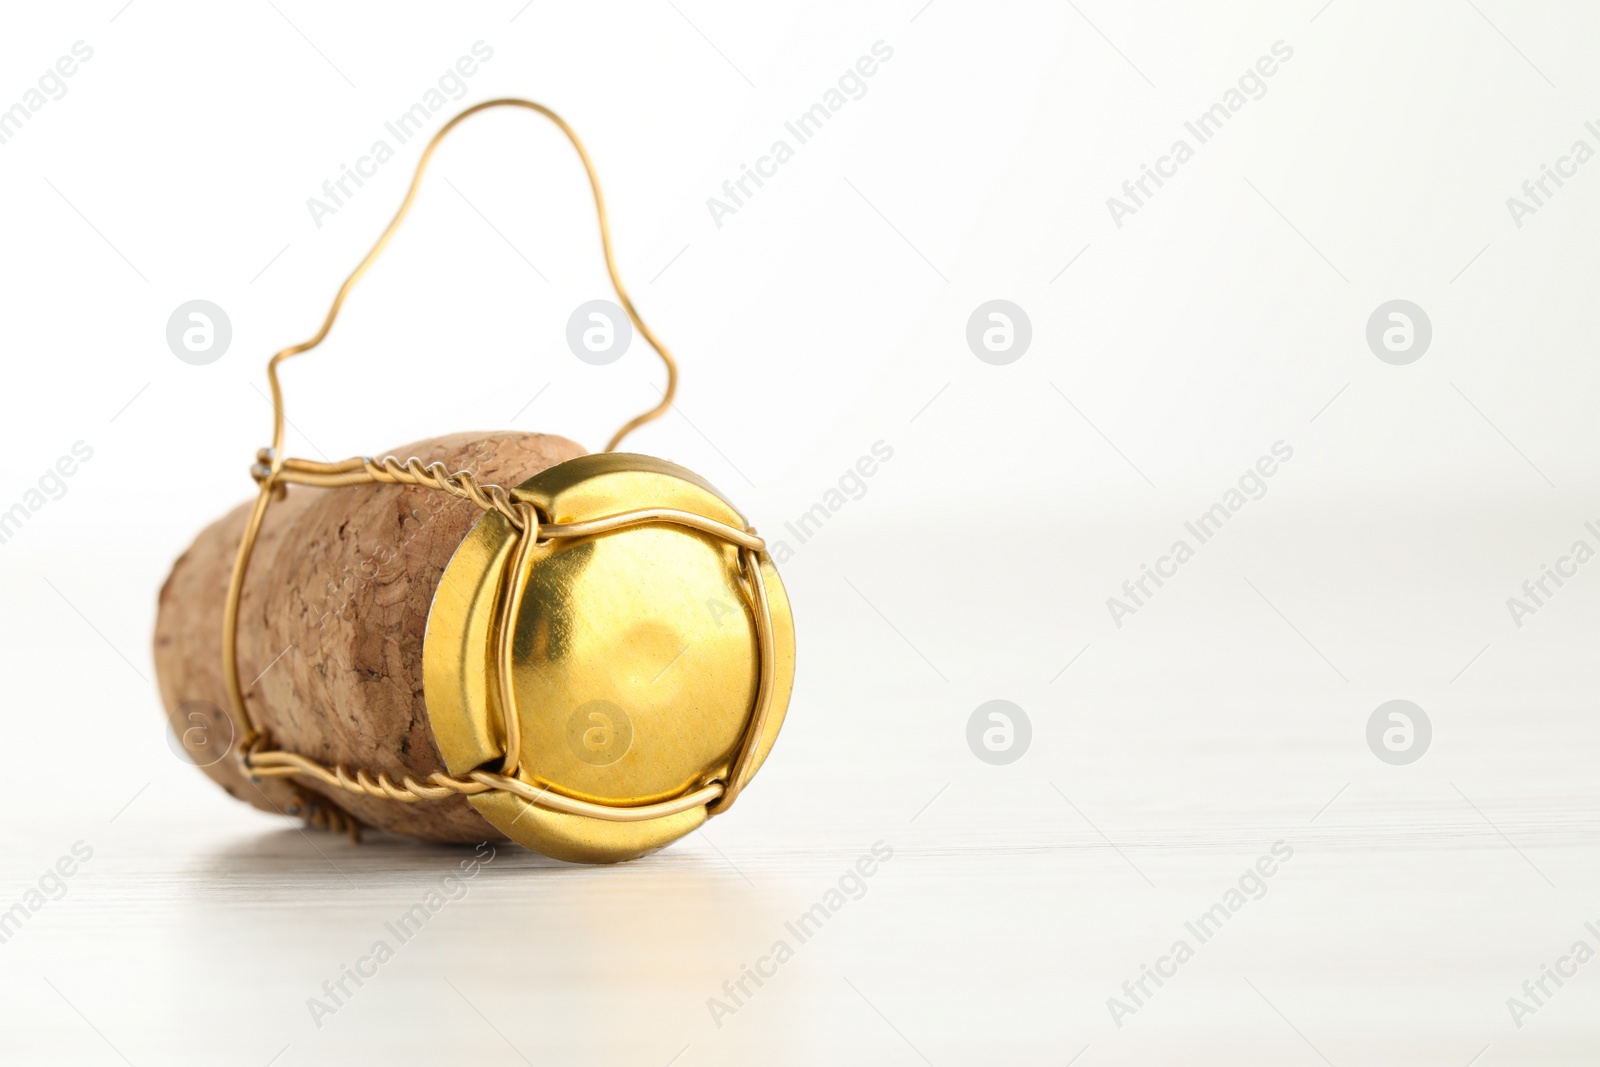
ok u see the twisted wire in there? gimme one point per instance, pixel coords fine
(281, 764)
(320, 814)
(437, 476)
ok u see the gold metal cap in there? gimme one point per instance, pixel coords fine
(645, 647)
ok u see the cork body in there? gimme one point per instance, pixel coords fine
(332, 619)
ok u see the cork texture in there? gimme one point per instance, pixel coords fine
(331, 626)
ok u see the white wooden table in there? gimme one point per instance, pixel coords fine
(1017, 901)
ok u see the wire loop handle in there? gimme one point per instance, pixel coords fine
(273, 472)
(399, 217)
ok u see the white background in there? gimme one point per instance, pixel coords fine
(827, 314)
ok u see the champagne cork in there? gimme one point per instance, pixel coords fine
(331, 625)
(394, 631)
